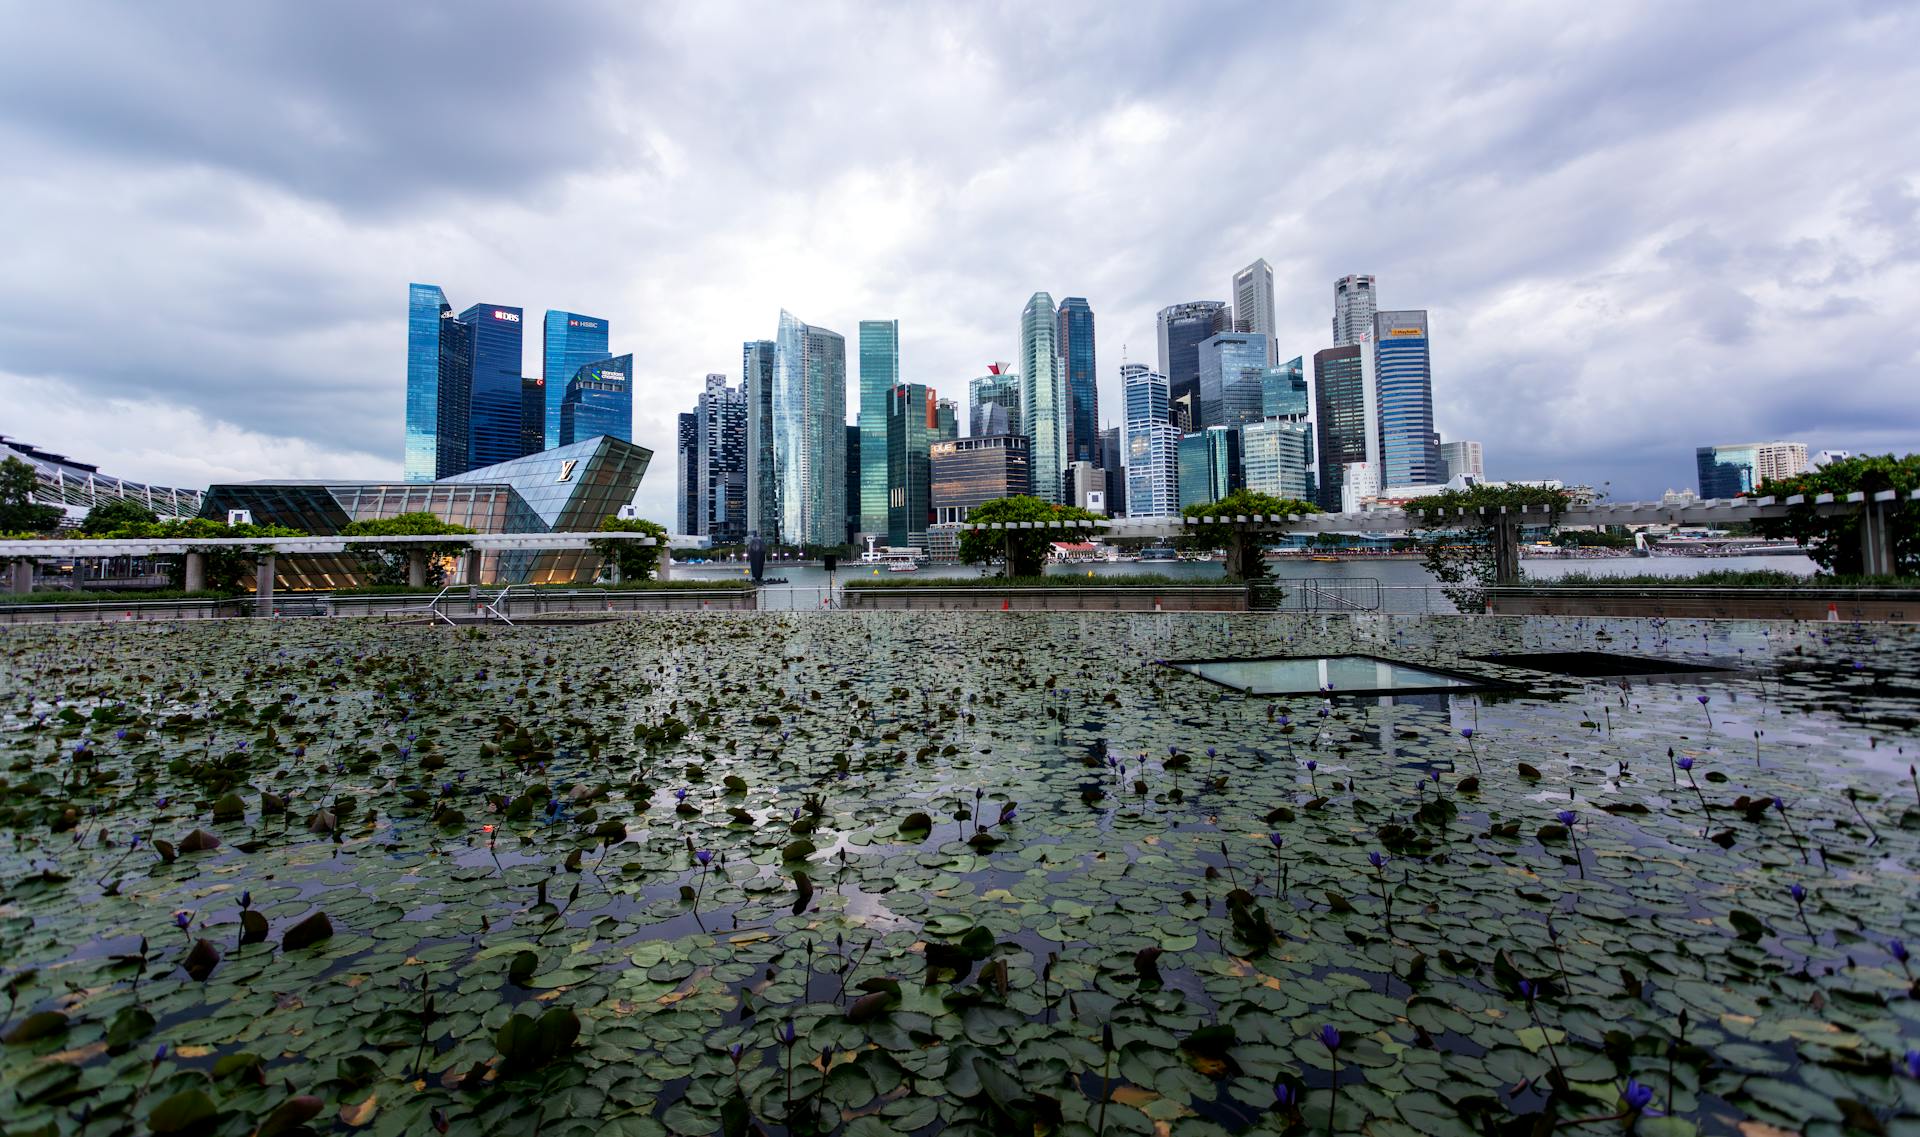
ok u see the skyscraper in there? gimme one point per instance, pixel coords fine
(1182, 328)
(853, 480)
(967, 472)
(1409, 449)
(533, 415)
(1462, 458)
(946, 420)
(1730, 470)
(879, 373)
(1043, 402)
(911, 418)
(763, 474)
(998, 389)
(686, 498)
(1115, 466)
(569, 341)
(1344, 415)
(1232, 367)
(809, 432)
(1083, 395)
(493, 433)
(1152, 443)
(719, 466)
(439, 386)
(1277, 457)
(1283, 391)
(599, 400)
(1210, 466)
(1253, 303)
(1353, 307)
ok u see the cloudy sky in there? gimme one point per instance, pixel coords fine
(1638, 227)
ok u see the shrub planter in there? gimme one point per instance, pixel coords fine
(1847, 604)
(1188, 598)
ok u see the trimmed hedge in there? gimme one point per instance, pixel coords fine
(1059, 580)
(1725, 578)
(62, 596)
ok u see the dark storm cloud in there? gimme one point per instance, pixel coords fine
(1638, 228)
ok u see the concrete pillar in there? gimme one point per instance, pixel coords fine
(196, 571)
(416, 569)
(263, 586)
(472, 573)
(663, 568)
(22, 576)
(1506, 549)
(1876, 542)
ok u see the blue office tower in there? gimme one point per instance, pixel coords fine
(493, 433)
(569, 342)
(1409, 448)
(439, 386)
(1083, 396)
(598, 400)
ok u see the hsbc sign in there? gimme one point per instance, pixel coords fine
(510, 317)
(583, 323)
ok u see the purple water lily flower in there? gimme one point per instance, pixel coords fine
(1684, 763)
(1329, 1037)
(1567, 817)
(1375, 859)
(704, 856)
(1636, 1096)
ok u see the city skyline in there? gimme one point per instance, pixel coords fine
(1587, 328)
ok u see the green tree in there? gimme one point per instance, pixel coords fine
(1469, 552)
(18, 513)
(388, 564)
(631, 560)
(1833, 541)
(228, 566)
(110, 515)
(1246, 560)
(1024, 551)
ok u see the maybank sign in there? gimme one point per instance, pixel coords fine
(1406, 332)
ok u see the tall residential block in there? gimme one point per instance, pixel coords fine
(1344, 416)
(879, 374)
(1182, 329)
(1409, 448)
(1353, 309)
(1233, 366)
(686, 468)
(1114, 463)
(569, 341)
(911, 422)
(719, 463)
(598, 400)
(1736, 468)
(439, 386)
(809, 432)
(493, 432)
(1083, 395)
(1152, 443)
(994, 402)
(1463, 458)
(763, 475)
(1253, 303)
(1043, 395)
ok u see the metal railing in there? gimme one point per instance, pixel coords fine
(431, 608)
(497, 609)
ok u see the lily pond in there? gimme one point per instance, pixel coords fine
(956, 873)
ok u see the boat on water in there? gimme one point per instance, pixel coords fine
(1326, 559)
(1158, 553)
(902, 566)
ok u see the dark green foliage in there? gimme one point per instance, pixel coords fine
(1023, 552)
(18, 513)
(1833, 540)
(1459, 549)
(389, 564)
(630, 560)
(110, 515)
(1246, 560)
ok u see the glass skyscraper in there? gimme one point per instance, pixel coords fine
(599, 400)
(1209, 465)
(1151, 443)
(879, 374)
(1277, 457)
(1083, 394)
(1343, 404)
(763, 474)
(493, 434)
(1182, 328)
(533, 415)
(1232, 367)
(1283, 391)
(569, 342)
(995, 403)
(809, 432)
(1253, 303)
(911, 422)
(1043, 396)
(439, 387)
(1409, 448)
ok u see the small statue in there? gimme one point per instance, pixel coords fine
(756, 556)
